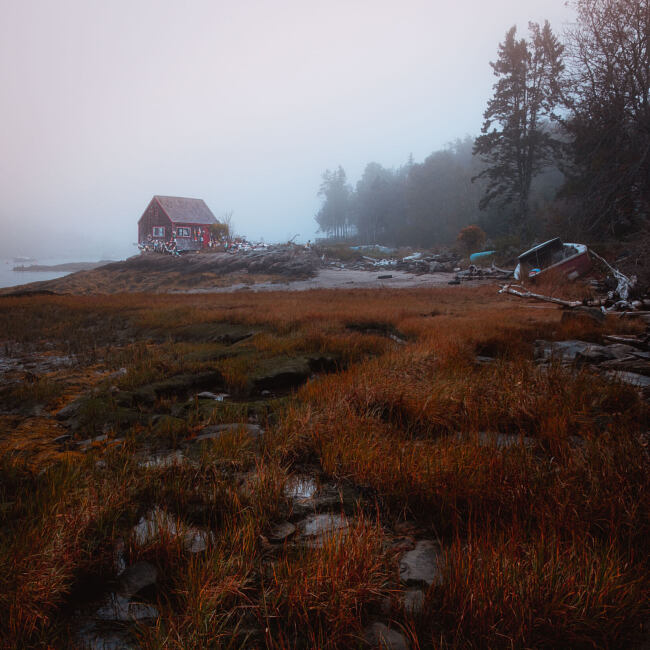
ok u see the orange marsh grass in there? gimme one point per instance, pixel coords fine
(558, 528)
(502, 592)
(56, 530)
(319, 597)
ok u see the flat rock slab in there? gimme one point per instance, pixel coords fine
(639, 342)
(281, 531)
(379, 635)
(632, 364)
(422, 564)
(216, 431)
(120, 608)
(631, 378)
(137, 577)
(594, 354)
(582, 351)
(621, 350)
(318, 527)
(569, 350)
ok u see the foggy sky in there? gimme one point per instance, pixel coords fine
(244, 104)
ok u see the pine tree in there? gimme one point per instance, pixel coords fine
(334, 215)
(516, 141)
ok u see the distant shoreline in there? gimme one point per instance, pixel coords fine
(70, 267)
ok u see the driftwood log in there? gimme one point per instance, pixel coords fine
(625, 284)
(518, 290)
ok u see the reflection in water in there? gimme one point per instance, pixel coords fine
(300, 487)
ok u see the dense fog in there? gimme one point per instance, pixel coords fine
(241, 104)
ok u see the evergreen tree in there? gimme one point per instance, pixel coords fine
(516, 142)
(334, 215)
(379, 204)
(441, 198)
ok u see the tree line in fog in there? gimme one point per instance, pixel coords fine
(564, 148)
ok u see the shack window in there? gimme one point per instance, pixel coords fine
(182, 232)
(159, 231)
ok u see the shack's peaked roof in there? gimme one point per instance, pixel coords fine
(182, 210)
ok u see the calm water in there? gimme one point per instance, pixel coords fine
(10, 278)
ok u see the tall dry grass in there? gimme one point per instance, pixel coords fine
(545, 540)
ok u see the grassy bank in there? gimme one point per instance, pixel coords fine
(417, 414)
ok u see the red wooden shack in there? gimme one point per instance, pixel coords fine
(175, 218)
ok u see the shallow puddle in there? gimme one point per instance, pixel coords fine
(300, 487)
(217, 397)
(158, 523)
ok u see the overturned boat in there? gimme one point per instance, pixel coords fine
(570, 259)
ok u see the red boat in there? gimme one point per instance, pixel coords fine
(571, 259)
